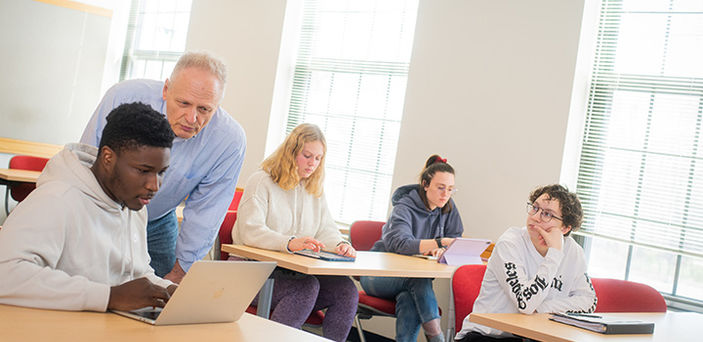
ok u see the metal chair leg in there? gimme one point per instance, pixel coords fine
(359, 329)
(7, 195)
(263, 308)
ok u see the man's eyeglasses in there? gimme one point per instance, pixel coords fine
(544, 215)
(442, 188)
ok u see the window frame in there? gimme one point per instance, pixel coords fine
(586, 238)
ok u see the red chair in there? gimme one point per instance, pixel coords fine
(466, 285)
(363, 234)
(20, 191)
(615, 295)
(225, 234)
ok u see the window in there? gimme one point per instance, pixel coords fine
(349, 78)
(641, 167)
(156, 38)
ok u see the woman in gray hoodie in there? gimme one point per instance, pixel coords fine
(424, 220)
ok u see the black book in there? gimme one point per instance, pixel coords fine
(604, 325)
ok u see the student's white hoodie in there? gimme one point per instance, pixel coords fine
(519, 279)
(68, 242)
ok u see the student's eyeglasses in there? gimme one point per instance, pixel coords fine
(546, 216)
(443, 188)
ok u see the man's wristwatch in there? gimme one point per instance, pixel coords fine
(438, 240)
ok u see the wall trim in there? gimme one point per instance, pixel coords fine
(79, 7)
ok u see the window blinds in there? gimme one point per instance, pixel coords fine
(641, 168)
(349, 79)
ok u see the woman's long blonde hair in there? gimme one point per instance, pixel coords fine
(283, 168)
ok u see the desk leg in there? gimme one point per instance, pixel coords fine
(265, 294)
(451, 325)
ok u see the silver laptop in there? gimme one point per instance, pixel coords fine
(211, 292)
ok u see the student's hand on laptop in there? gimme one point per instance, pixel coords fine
(171, 289)
(137, 293)
(306, 242)
(346, 250)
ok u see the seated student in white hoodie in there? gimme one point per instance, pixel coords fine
(537, 268)
(78, 242)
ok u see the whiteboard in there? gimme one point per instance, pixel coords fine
(51, 64)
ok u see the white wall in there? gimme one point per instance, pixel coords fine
(247, 36)
(489, 89)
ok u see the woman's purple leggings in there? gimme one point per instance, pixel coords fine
(296, 295)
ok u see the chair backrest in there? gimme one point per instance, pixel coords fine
(363, 234)
(236, 199)
(615, 295)
(225, 233)
(20, 191)
(466, 285)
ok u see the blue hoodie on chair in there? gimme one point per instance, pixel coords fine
(411, 222)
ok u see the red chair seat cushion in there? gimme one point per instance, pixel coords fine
(315, 318)
(385, 306)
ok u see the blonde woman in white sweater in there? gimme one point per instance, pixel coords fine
(283, 208)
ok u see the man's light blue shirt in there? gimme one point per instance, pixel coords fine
(203, 168)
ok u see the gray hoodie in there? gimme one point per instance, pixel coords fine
(411, 221)
(68, 242)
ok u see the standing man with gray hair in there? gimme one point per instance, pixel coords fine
(206, 158)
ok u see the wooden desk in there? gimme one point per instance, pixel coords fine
(28, 148)
(367, 264)
(670, 326)
(25, 324)
(10, 177)
(17, 175)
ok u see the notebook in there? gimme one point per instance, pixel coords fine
(604, 325)
(322, 255)
(463, 251)
(211, 292)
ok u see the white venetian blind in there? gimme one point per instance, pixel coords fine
(641, 169)
(349, 79)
